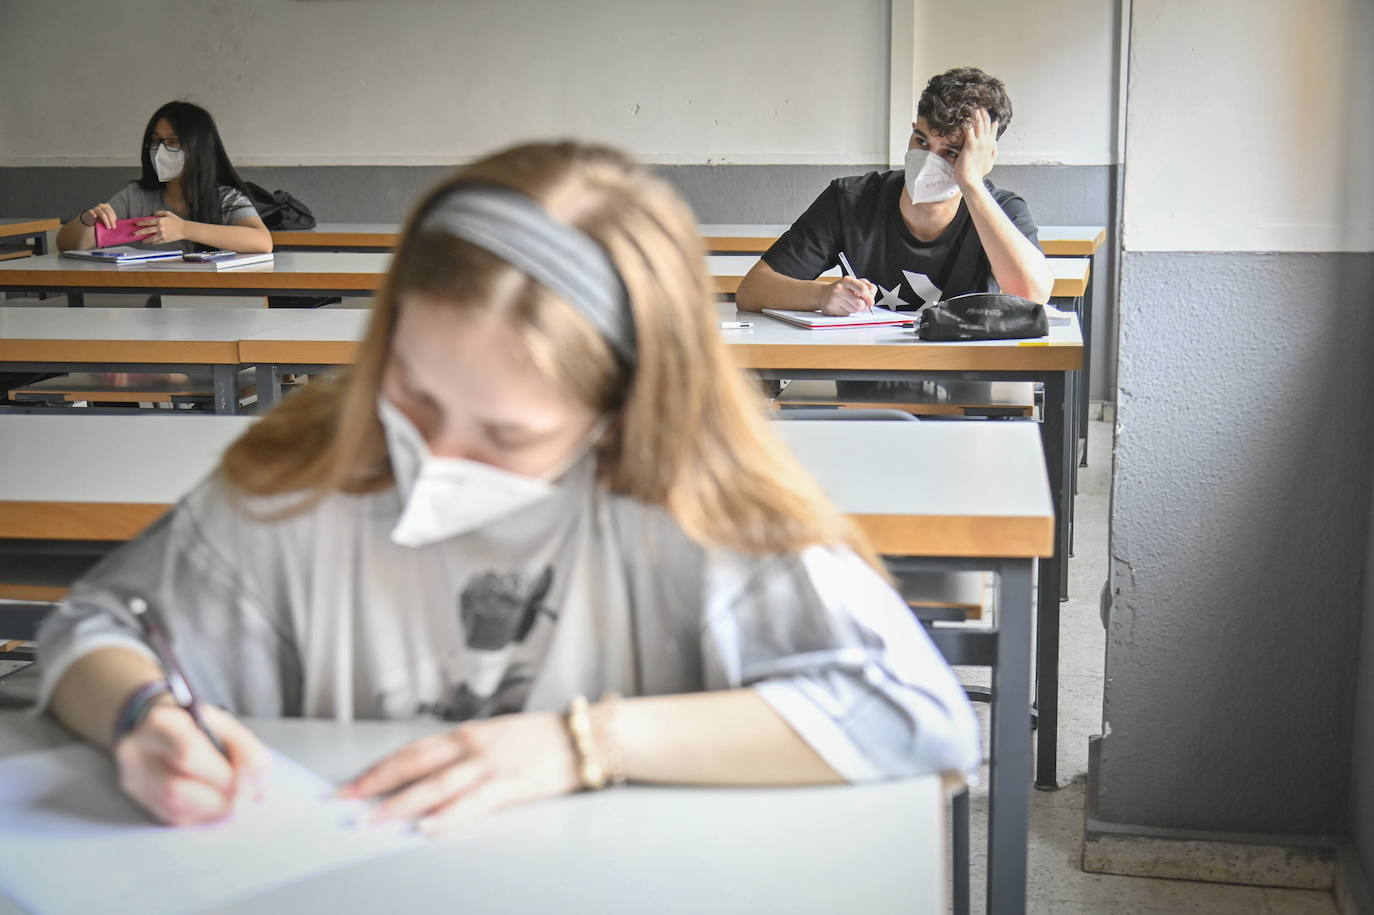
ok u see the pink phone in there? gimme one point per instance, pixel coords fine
(121, 234)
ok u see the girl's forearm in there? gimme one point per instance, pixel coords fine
(717, 738)
(243, 239)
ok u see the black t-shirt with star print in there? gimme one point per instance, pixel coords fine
(860, 217)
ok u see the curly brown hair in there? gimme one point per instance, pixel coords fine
(949, 100)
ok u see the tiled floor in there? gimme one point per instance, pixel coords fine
(1057, 883)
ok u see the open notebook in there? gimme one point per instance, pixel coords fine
(878, 317)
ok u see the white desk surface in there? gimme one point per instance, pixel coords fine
(322, 325)
(875, 849)
(955, 469)
(120, 459)
(967, 489)
(344, 228)
(770, 331)
(164, 324)
(768, 231)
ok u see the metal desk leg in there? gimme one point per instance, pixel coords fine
(1087, 366)
(958, 832)
(268, 379)
(76, 299)
(1054, 433)
(1010, 751)
(226, 389)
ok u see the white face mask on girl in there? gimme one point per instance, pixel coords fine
(445, 497)
(168, 164)
(929, 178)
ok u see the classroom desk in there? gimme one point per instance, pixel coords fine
(990, 509)
(135, 340)
(339, 236)
(32, 234)
(291, 272)
(676, 851)
(1071, 241)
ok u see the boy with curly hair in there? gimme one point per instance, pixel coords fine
(932, 230)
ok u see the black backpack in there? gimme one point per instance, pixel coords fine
(279, 210)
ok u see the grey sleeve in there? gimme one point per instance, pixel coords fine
(838, 655)
(234, 651)
(234, 205)
(122, 202)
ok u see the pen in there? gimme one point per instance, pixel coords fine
(735, 325)
(849, 271)
(176, 680)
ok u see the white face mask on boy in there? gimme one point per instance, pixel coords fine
(168, 163)
(929, 178)
(445, 497)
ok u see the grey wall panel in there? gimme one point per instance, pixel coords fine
(1240, 518)
(1362, 759)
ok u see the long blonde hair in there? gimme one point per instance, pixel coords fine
(688, 430)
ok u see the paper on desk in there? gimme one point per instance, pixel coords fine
(70, 841)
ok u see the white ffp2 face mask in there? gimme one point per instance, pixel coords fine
(444, 497)
(168, 163)
(929, 178)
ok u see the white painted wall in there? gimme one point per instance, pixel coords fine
(1055, 57)
(1251, 126)
(317, 82)
(422, 82)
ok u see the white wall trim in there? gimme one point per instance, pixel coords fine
(901, 81)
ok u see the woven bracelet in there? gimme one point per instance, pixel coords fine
(135, 708)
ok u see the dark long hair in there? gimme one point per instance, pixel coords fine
(207, 164)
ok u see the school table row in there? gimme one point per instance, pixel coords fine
(326, 273)
(25, 236)
(281, 342)
(872, 848)
(720, 238)
(989, 509)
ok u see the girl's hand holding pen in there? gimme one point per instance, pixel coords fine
(169, 766)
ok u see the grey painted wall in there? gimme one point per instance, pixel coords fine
(1362, 759)
(1058, 195)
(1240, 521)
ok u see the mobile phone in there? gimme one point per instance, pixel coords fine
(202, 256)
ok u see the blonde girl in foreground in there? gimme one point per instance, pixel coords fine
(545, 480)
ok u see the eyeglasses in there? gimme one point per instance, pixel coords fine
(172, 144)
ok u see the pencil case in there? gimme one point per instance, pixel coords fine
(982, 316)
(121, 234)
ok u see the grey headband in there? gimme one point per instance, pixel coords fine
(561, 257)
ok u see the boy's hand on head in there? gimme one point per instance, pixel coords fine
(848, 295)
(979, 151)
(171, 769)
(448, 778)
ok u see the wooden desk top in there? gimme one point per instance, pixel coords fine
(989, 497)
(27, 225)
(380, 235)
(290, 270)
(1070, 274)
(173, 335)
(1073, 241)
(744, 239)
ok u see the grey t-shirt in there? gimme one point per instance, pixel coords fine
(324, 615)
(133, 200)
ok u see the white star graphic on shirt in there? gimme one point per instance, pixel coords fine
(922, 286)
(891, 299)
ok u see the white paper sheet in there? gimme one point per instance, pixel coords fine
(70, 841)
